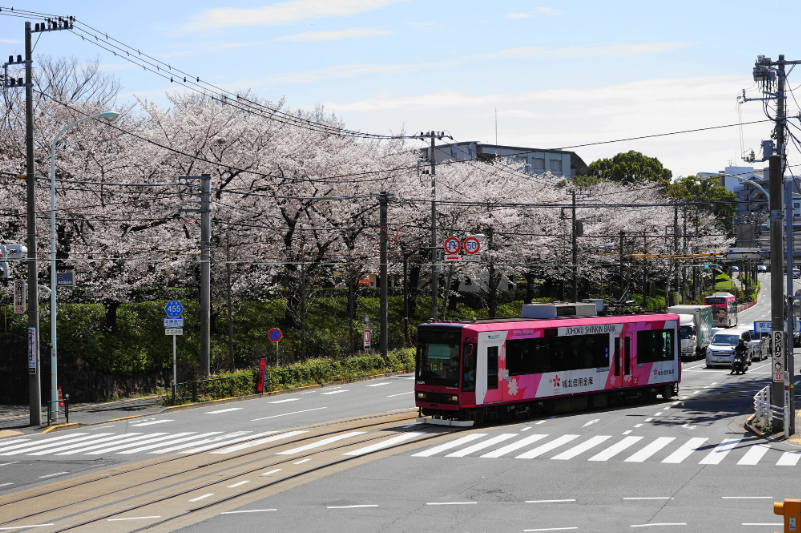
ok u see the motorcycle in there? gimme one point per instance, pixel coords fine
(738, 363)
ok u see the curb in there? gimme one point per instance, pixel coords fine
(749, 426)
(61, 427)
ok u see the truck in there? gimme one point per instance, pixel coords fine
(695, 329)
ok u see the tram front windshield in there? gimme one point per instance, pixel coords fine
(438, 357)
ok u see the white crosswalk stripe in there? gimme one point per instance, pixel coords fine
(323, 442)
(79, 445)
(720, 452)
(39, 446)
(160, 438)
(70, 436)
(246, 445)
(754, 452)
(386, 443)
(130, 438)
(179, 437)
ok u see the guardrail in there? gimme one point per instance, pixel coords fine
(764, 410)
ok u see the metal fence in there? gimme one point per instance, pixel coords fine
(764, 410)
(211, 389)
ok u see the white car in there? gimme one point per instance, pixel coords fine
(756, 343)
(721, 350)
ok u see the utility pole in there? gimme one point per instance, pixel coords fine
(205, 269)
(574, 245)
(34, 381)
(436, 266)
(776, 290)
(383, 199)
(675, 251)
(622, 281)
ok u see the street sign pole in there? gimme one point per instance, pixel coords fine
(174, 368)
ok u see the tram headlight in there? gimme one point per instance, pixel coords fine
(421, 395)
(453, 398)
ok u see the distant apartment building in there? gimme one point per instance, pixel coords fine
(537, 161)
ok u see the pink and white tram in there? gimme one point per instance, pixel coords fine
(511, 368)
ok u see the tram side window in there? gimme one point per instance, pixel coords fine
(655, 345)
(556, 354)
(469, 368)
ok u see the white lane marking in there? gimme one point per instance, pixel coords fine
(627, 432)
(81, 444)
(746, 497)
(676, 403)
(5, 484)
(649, 450)
(762, 524)
(103, 427)
(53, 475)
(661, 524)
(540, 422)
(514, 446)
(550, 501)
(666, 408)
(272, 438)
(271, 472)
(401, 394)
(658, 414)
(481, 445)
(525, 428)
(153, 423)
(15, 441)
(131, 438)
(552, 529)
(302, 461)
(323, 442)
(225, 443)
(380, 384)
(157, 442)
(225, 410)
(448, 445)
(334, 392)
(688, 426)
(754, 454)
(451, 503)
(404, 409)
(650, 498)
(647, 419)
(238, 484)
(637, 425)
(591, 422)
(545, 448)
(615, 449)
(202, 497)
(789, 458)
(24, 527)
(249, 511)
(717, 455)
(10, 463)
(684, 451)
(350, 506)
(48, 443)
(386, 443)
(287, 414)
(581, 448)
(287, 400)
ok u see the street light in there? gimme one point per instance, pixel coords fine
(108, 117)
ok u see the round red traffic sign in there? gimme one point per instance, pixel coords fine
(452, 245)
(274, 334)
(472, 245)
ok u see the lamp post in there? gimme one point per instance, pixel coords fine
(109, 117)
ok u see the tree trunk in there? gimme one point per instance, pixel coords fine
(492, 291)
(413, 286)
(529, 287)
(110, 309)
(229, 305)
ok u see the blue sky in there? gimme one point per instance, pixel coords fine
(560, 74)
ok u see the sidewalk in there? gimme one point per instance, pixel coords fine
(14, 419)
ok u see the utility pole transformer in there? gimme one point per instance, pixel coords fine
(34, 382)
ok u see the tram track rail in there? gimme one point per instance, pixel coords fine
(245, 455)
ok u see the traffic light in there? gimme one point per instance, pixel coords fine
(791, 509)
(706, 266)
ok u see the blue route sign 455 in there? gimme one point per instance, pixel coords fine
(174, 309)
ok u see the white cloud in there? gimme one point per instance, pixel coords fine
(568, 117)
(10, 41)
(334, 35)
(548, 11)
(421, 24)
(518, 15)
(285, 13)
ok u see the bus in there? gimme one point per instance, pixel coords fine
(724, 309)
(467, 372)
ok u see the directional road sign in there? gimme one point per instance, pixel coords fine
(65, 279)
(274, 334)
(766, 326)
(174, 309)
(173, 322)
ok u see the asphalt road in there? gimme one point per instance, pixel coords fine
(683, 465)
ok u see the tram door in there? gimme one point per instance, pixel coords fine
(617, 364)
(489, 367)
(626, 356)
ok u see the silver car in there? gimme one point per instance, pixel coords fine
(721, 350)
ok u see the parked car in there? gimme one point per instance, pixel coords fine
(721, 350)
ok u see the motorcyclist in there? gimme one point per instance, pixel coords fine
(739, 351)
